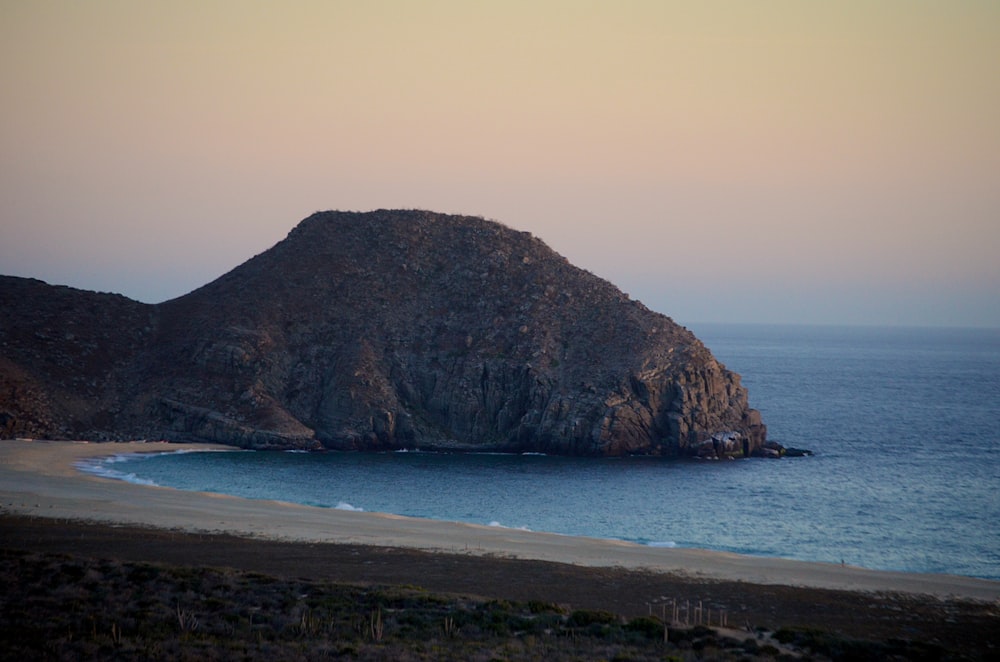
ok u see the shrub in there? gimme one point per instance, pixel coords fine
(647, 626)
(585, 617)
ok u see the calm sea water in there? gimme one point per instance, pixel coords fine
(905, 424)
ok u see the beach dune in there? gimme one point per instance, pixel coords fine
(40, 479)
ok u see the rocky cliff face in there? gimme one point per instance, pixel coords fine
(390, 329)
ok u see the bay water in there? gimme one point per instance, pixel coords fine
(904, 424)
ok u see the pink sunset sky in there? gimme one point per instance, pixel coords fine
(767, 161)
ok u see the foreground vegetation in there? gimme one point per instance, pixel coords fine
(60, 607)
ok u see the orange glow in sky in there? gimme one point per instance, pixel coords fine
(773, 161)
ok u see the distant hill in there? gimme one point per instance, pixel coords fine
(380, 330)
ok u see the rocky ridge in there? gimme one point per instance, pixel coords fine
(380, 330)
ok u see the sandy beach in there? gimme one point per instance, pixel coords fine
(39, 479)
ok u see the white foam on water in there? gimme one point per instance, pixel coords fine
(501, 526)
(343, 505)
(104, 467)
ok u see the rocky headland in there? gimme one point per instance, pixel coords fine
(380, 330)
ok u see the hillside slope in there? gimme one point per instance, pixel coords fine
(380, 330)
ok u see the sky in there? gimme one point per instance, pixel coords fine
(765, 162)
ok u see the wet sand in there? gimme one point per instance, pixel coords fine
(39, 479)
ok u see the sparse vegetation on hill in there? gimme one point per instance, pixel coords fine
(71, 590)
(62, 607)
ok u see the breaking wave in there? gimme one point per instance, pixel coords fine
(106, 467)
(501, 526)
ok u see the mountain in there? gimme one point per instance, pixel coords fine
(380, 330)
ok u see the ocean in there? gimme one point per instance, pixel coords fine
(904, 424)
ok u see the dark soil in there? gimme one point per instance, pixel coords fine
(74, 590)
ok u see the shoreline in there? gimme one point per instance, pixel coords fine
(39, 479)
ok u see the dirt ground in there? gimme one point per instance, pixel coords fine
(970, 629)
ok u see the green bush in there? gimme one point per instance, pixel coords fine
(586, 617)
(647, 626)
(540, 607)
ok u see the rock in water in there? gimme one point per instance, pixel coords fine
(381, 330)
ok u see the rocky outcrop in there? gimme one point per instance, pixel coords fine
(382, 330)
(67, 358)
